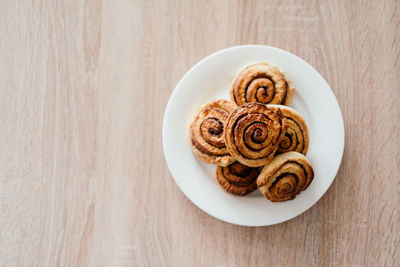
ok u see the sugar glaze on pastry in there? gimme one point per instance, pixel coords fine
(296, 137)
(237, 179)
(253, 133)
(206, 132)
(262, 83)
(285, 177)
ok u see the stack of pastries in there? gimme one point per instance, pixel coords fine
(256, 140)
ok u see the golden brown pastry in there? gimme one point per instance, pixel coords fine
(296, 137)
(206, 132)
(237, 178)
(253, 133)
(261, 83)
(285, 177)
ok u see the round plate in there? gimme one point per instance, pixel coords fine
(210, 79)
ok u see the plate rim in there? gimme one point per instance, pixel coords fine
(193, 68)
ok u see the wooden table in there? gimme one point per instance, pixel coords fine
(84, 85)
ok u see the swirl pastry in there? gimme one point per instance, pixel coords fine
(253, 133)
(237, 178)
(261, 83)
(296, 137)
(206, 132)
(285, 177)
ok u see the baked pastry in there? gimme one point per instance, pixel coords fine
(285, 177)
(206, 132)
(296, 137)
(262, 83)
(253, 133)
(237, 179)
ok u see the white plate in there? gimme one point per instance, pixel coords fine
(210, 79)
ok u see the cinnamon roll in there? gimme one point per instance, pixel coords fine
(206, 132)
(285, 177)
(261, 83)
(296, 137)
(237, 178)
(253, 132)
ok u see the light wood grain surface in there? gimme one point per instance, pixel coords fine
(84, 85)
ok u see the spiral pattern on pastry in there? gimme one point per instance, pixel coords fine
(237, 178)
(262, 83)
(206, 132)
(285, 177)
(253, 133)
(296, 137)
